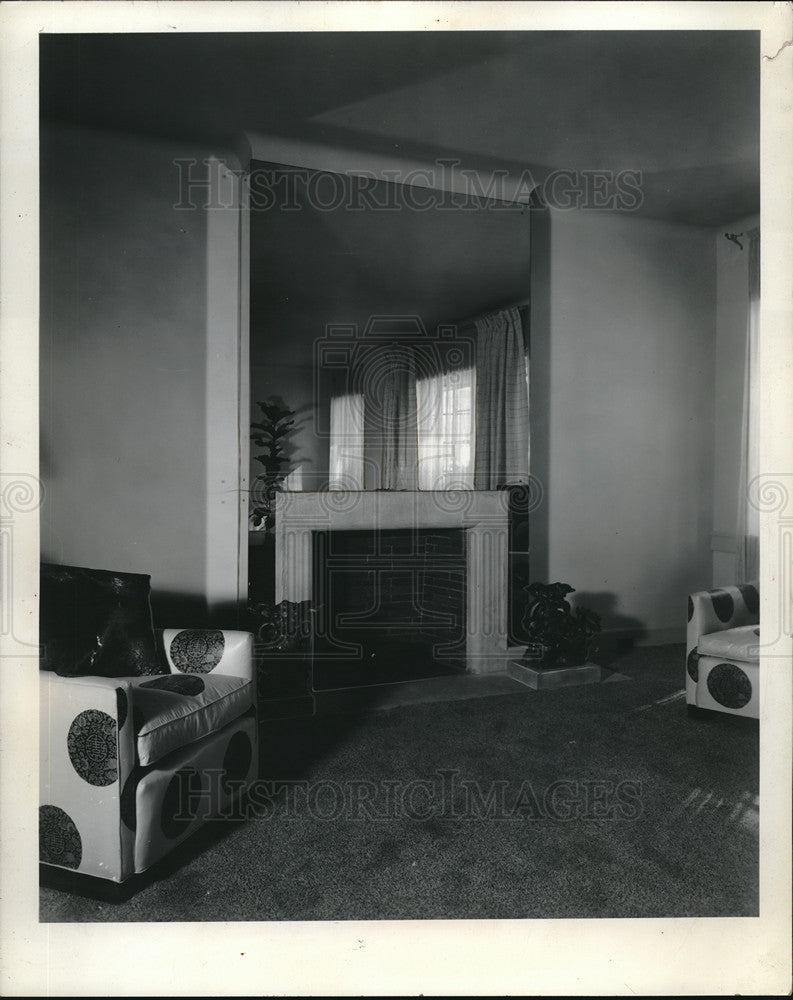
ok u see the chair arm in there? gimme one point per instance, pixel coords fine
(199, 651)
(721, 609)
(87, 755)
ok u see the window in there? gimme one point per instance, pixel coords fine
(463, 428)
(446, 436)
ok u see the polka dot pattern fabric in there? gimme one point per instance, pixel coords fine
(722, 649)
(189, 686)
(194, 652)
(103, 813)
(59, 839)
(186, 789)
(692, 665)
(91, 744)
(87, 754)
(729, 685)
(236, 761)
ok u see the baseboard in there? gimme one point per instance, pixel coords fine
(625, 638)
(663, 636)
(720, 541)
(647, 637)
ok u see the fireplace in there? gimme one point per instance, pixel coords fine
(389, 605)
(479, 517)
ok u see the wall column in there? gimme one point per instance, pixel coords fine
(227, 394)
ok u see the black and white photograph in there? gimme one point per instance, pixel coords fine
(408, 514)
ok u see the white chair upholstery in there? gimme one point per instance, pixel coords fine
(722, 650)
(115, 798)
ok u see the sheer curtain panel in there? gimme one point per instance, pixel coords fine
(446, 438)
(392, 416)
(346, 442)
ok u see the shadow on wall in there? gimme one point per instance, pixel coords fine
(171, 609)
(302, 418)
(620, 632)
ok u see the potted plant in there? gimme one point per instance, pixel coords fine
(558, 635)
(271, 433)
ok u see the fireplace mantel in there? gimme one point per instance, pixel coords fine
(482, 513)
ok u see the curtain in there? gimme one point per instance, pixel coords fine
(502, 402)
(346, 442)
(391, 417)
(446, 439)
(460, 428)
(748, 529)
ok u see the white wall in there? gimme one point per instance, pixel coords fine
(623, 341)
(124, 334)
(622, 354)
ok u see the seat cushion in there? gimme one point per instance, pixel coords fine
(739, 643)
(175, 710)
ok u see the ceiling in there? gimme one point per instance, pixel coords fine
(682, 107)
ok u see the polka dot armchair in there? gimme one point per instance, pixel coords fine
(132, 764)
(722, 650)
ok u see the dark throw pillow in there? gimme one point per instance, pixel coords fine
(96, 622)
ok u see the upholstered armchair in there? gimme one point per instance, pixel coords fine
(722, 650)
(143, 736)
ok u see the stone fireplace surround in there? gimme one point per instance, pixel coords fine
(483, 514)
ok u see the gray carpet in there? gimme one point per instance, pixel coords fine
(656, 816)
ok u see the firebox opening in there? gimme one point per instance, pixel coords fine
(390, 605)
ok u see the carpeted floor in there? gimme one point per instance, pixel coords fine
(599, 801)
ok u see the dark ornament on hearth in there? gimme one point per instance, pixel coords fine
(281, 627)
(558, 635)
(282, 644)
